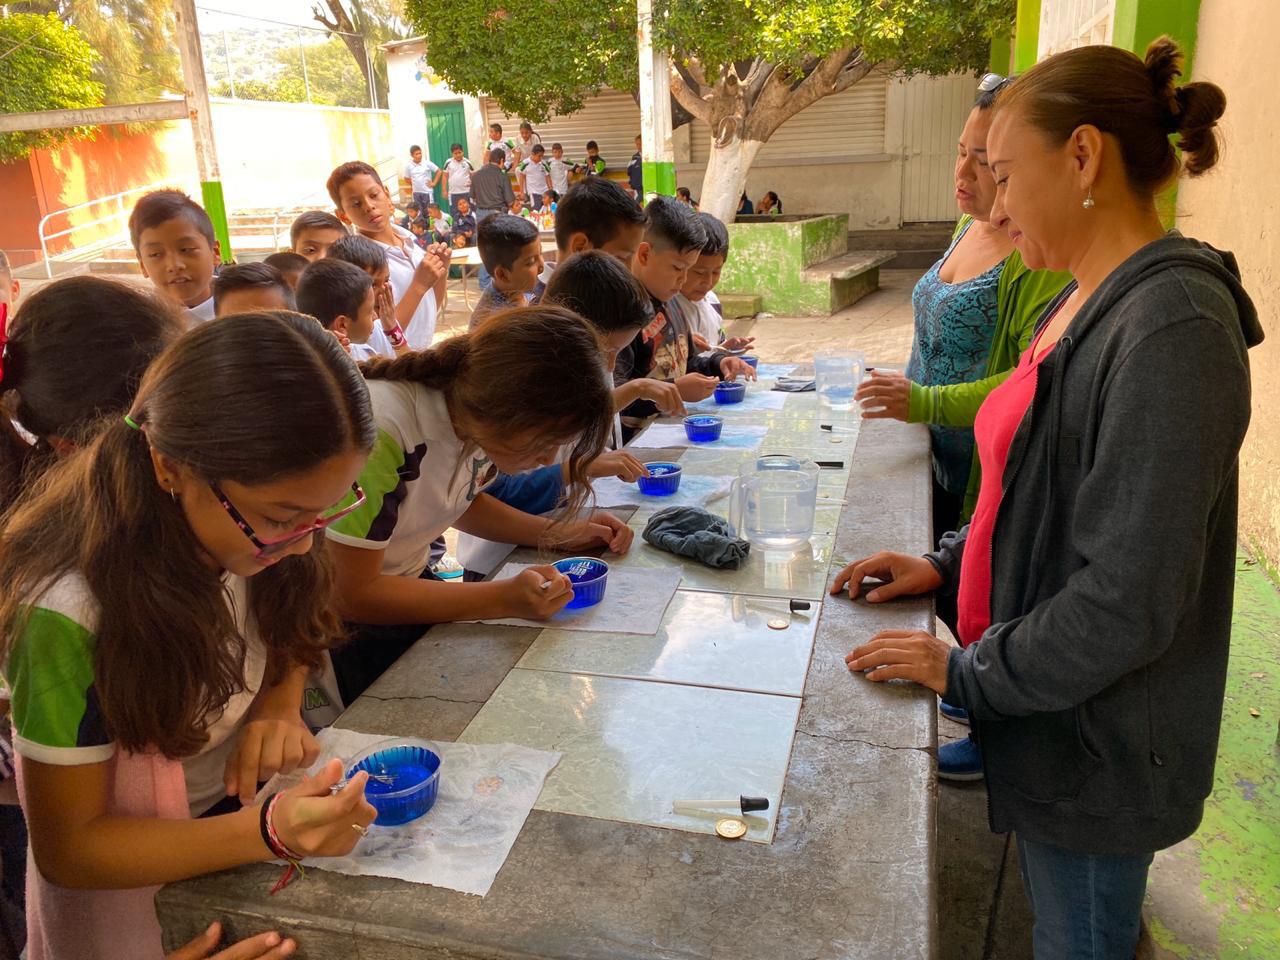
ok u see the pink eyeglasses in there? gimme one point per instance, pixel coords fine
(271, 548)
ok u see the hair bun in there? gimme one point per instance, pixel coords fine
(1200, 105)
(1164, 65)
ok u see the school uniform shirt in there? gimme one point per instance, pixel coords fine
(420, 175)
(418, 481)
(539, 288)
(202, 312)
(443, 224)
(593, 167)
(508, 147)
(635, 173)
(57, 718)
(402, 260)
(464, 226)
(704, 316)
(494, 301)
(459, 173)
(535, 176)
(559, 171)
(378, 345)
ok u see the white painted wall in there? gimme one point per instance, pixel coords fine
(1067, 24)
(411, 84)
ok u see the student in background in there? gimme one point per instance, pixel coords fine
(550, 202)
(596, 214)
(313, 232)
(559, 169)
(439, 223)
(594, 165)
(464, 226)
(290, 266)
(423, 175)
(421, 235)
(685, 197)
(496, 142)
(457, 178)
(250, 287)
(512, 253)
(173, 239)
(697, 300)
(388, 338)
(506, 397)
(535, 174)
(525, 142)
(769, 204)
(635, 171)
(8, 286)
(164, 596)
(363, 201)
(673, 240)
(341, 296)
(745, 207)
(519, 208)
(491, 190)
(411, 213)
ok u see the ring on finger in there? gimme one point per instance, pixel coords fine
(360, 829)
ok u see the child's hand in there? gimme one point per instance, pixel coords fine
(738, 343)
(600, 529)
(694, 386)
(700, 342)
(268, 745)
(265, 946)
(314, 822)
(529, 599)
(731, 368)
(384, 306)
(343, 341)
(664, 394)
(618, 463)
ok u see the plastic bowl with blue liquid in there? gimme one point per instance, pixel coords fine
(730, 391)
(703, 428)
(752, 362)
(663, 479)
(404, 776)
(588, 576)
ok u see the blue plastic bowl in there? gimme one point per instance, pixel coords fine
(752, 362)
(663, 479)
(730, 391)
(703, 428)
(404, 776)
(588, 576)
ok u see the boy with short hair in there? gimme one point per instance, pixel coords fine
(249, 288)
(341, 296)
(673, 240)
(594, 165)
(457, 178)
(422, 175)
(635, 170)
(596, 214)
(464, 225)
(177, 250)
(8, 286)
(559, 169)
(388, 338)
(411, 213)
(696, 299)
(419, 228)
(290, 266)
(313, 232)
(362, 201)
(496, 142)
(512, 253)
(534, 175)
(440, 224)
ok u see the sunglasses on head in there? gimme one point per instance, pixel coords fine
(992, 82)
(271, 548)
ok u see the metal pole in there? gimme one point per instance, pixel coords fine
(306, 81)
(373, 87)
(226, 55)
(655, 107)
(197, 93)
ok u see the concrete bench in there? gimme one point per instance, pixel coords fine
(849, 277)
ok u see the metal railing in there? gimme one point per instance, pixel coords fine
(388, 169)
(119, 215)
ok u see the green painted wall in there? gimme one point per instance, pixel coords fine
(767, 259)
(1138, 22)
(1027, 40)
(1001, 61)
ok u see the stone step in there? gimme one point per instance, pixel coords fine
(848, 265)
(918, 245)
(740, 304)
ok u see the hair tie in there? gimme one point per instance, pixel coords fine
(130, 421)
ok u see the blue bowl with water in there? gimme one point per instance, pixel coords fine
(703, 428)
(663, 479)
(752, 362)
(730, 391)
(404, 777)
(588, 576)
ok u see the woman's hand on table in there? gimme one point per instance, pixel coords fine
(884, 396)
(903, 576)
(731, 368)
(694, 387)
(265, 946)
(313, 821)
(904, 655)
(617, 463)
(528, 598)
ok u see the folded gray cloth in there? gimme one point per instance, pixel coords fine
(693, 532)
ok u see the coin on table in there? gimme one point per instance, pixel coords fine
(731, 828)
(835, 439)
(779, 623)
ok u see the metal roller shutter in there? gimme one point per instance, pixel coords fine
(612, 119)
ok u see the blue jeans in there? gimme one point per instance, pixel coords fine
(1086, 907)
(482, 277)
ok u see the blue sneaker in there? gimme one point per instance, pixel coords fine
(958, 714)
(960, 760)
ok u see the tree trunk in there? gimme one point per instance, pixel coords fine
(726, 176)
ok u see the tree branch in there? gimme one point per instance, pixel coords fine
(783, 97)
(756, 79)
(684, 95)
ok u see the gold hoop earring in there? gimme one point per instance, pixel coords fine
(1088, 202)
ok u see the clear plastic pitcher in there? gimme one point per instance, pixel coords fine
(836, 378)
(771, 502)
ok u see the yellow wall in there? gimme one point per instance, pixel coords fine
(1237, 207)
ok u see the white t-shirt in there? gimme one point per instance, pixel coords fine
(535, 176)
(420, 174)
(559, 170)
(418, 481)
(378, 345)
(705, 320)
(508, 148)
(402, 261)
(201, 312)
(526, 146)
(459, 173)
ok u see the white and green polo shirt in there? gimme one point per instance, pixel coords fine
(536, 175)
(57, 717)
(419, 479)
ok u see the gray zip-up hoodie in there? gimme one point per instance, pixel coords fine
(1097, 692)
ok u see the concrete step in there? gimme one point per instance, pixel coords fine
(917, 246)
(848, 265)
(740, 304)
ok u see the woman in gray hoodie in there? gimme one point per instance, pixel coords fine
(1095, 581)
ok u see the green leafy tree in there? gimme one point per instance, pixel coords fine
(361, 26)
(742, 67)
(45, 64)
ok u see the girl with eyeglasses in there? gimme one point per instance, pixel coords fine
(165, 594)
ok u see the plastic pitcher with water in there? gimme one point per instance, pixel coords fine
(771, 502)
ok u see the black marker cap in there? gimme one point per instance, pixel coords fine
(798, 605)
(750, 804)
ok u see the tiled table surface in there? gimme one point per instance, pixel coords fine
(849, 869)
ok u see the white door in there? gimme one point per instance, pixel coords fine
(934, 111)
